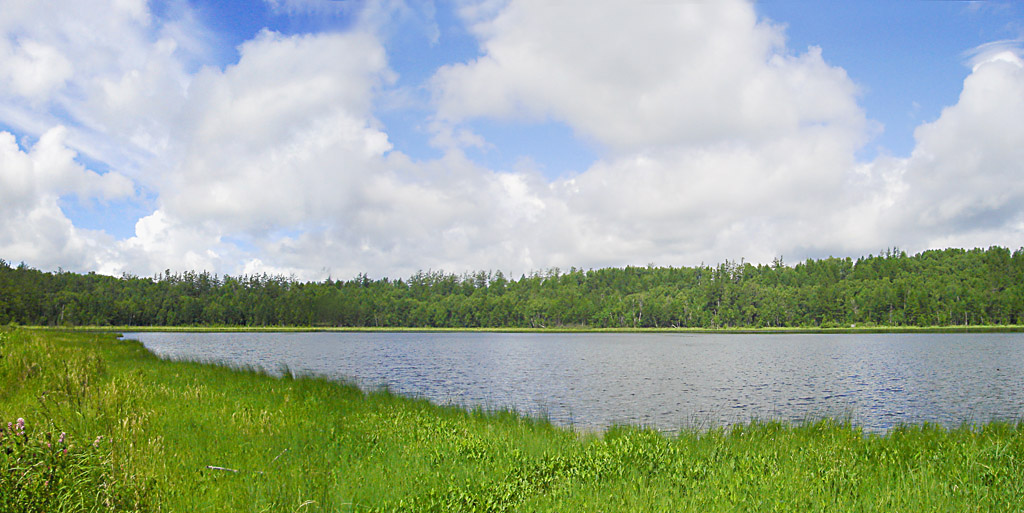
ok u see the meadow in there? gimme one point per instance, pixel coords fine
(92, 423)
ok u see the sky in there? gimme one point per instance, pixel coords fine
(329, 138)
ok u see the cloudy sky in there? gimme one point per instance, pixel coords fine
(329, 138)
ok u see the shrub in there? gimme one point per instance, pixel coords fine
(43, 471)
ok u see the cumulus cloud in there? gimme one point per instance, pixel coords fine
(31, 69)
(162, 242)
(105, 69)
(963, 179)
(97, 81)
(49, 169)
(714, 139)
(961, 184)
(718, 140)
(634, 77)
(282, 137)
(721, 142)
(34, 228)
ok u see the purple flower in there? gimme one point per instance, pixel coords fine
(61, 439)
(20, 425)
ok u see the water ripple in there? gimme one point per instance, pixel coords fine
(591, 381)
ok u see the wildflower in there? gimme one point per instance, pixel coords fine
(97, 442)
(61, 439)
(20, 424)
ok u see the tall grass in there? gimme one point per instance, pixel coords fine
(181, 436)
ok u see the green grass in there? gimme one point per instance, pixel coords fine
(307, 444)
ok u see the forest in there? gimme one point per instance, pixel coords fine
(950, 287)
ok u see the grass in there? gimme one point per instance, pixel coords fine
(180, 436)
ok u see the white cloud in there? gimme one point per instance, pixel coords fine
(33, 70)
(718, 142)
(649, 75)
(136, 9)
(715, 140)
(162, 243)
(108, 71)
(962, 184)
(966, 173)
(50, 170)
(283, 137)
(34, 229)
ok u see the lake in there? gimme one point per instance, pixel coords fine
(665, 380)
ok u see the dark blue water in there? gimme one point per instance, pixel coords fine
(667, 381)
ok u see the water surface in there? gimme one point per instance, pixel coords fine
(668, 381)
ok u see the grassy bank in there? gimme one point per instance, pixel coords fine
(154, 435)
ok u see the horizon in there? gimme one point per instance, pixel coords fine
(320, 138)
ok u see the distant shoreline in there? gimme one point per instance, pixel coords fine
(724, 331)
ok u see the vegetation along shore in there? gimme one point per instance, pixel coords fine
(1009, 328)
(98, 423)
(952, 287)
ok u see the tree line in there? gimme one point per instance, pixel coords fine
(932, 288)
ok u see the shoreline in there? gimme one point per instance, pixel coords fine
(581, 330)
(189, 436)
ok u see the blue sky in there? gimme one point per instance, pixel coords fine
(910, 57)
(890, 49)
(322, 137)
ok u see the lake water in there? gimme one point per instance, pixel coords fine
(668, 381)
